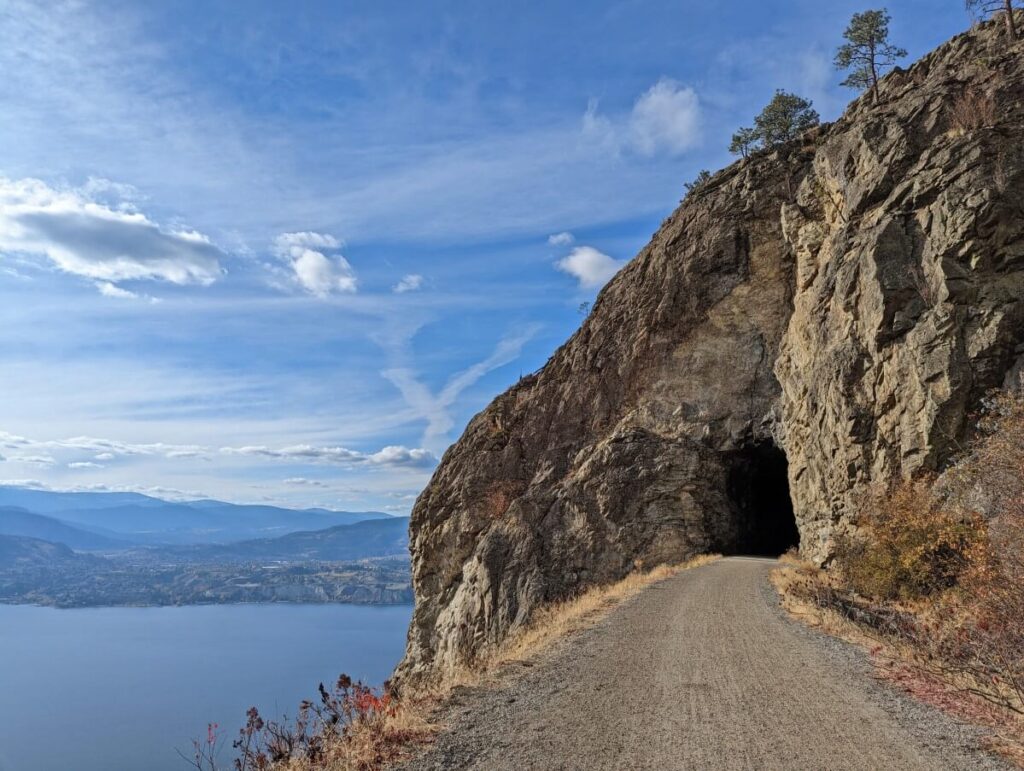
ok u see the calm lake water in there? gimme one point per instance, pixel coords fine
(118, 689)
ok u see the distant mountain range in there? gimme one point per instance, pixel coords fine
(89, 549)
(101, 521)
(20, 552)
(344, 543)
(362, 540)
(15, 521)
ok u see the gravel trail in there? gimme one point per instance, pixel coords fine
(702, 671)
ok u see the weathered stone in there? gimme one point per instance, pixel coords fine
(849, 298)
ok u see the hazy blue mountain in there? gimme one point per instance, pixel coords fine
(23, 552)
(48, 502)
(370, 538)
(143, 519)
(20, 522)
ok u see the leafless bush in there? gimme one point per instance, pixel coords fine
(316, 732)
(924, 289)
(973, 110)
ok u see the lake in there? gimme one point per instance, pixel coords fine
(119, 689)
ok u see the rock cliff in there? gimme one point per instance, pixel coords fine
(846, 301)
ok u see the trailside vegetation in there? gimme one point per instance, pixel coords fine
(934, 572)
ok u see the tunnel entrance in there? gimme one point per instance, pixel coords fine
(758, 489)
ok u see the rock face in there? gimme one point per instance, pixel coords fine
(847, 301)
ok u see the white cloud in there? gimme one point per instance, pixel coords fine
(99, 449)
(33, 484)
(304, 482)
(436, 408)
(589, 266)
(183, 453)
(396, 455)
(85, 464)
(316, 272)
(409, 283)
(119, 293)
(35, 460)
(666, 118)
(391, 456)
(561, 239)
(157, 491)
(84, 237)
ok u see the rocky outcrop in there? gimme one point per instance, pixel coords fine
(847, 300)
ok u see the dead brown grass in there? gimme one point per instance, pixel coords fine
(807, 593)
(412, 720)
(562, 619)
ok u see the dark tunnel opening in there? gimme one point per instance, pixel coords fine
(758, 489)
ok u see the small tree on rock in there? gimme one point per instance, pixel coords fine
(867, 51)
(694, 187)
(744, 142)
(786, 117)
(984, 9)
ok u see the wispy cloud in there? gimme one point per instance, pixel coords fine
(436, 408)
(391, 456)
(304, 482)
(561, 239)
(409, 283)
(99, 449)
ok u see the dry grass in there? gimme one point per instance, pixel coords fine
(971, 111)
(805, 591)
(411, 721)
(562, 619)
(375, 743)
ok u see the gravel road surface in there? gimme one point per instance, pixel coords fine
(702, 671)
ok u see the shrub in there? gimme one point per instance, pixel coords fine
(911, 544)
(964, 530)
(321, 727)
(973, 110)
(698, 183)
(989, 644)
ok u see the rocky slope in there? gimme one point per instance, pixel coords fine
(847, 300)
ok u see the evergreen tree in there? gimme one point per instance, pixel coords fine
(786, 117)
(744, 142)
(867, 50)
(702, 179)
(985, 8)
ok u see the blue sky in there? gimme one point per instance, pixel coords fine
(282, 252)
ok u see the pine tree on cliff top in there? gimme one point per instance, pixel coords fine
(867, 51)
(983, 9)
(786, 117)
